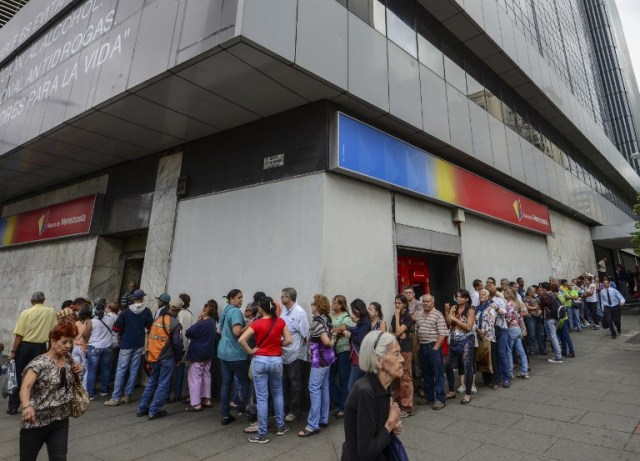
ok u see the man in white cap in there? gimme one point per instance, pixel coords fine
(31, 336)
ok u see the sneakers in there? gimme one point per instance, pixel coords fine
(474, 390)
(103, 394)
(523, 375)
(282, 430)
(290, 417)
(554, 360)
(571, 355)
(506, 383)
(438, 405)
(461, 389)
(113, 403)
(596, 327)
(126, 399)
(256, 438)
(406, 413)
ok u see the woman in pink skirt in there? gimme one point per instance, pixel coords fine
(202, 349)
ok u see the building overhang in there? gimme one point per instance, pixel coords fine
(614, 237)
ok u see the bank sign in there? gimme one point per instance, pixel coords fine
(370, 154)
(66, 219)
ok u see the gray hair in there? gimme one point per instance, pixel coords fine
(368, 356)
(291, 293)
(37, 296)
(486, 292)
(427, 296)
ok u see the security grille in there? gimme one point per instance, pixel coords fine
(8, 8)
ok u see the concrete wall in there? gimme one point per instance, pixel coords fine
(62, 269)
(492, 249)
(570, 247)
(261, 238)
(418, 213)
(359, 257)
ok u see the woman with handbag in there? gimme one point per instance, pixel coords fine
(514, 323)
(322, 354)
(99, 352)
(46, 394)
(271, 333)
(460, 320)
(341, 369)
(487, 352)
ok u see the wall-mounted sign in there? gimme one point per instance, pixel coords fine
(370, 154)
(61, 220)
(273, 161)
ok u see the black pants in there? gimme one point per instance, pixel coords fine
(612, 316)
(26, 353)
(593, 311)
(55, 435)
(469, 364)
(292, 380)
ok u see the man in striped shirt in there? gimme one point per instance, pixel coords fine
(430, 332)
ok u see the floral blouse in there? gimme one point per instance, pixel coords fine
(51, 393)
(486, 321)
(512, 315)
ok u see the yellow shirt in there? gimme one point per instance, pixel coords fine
(35, 323)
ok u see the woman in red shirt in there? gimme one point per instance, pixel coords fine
(271, 333)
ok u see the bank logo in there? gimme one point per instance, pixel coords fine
(517, 206)
(42, 223)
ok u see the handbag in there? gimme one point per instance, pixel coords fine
(80, 399)
(523, 327)
(10, 384)
(395, 451)
(483, 357)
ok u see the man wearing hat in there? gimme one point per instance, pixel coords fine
(132, 324)
(163, 305)
(164, 352)
(32, 334)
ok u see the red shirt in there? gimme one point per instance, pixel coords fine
(271, 345)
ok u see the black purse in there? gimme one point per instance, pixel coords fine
(396, 451)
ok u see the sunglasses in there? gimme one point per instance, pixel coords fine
(63, 377)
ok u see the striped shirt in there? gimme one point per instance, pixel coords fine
(430, 326)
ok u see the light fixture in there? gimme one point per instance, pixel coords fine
(634, 156)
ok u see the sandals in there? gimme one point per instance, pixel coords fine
(493, 386)
(192, 409)
(308, 433)
(209, 405)
(451, 395)
(338, 414)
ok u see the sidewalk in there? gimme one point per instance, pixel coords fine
(584, 409)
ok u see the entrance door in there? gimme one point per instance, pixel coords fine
(132, 270)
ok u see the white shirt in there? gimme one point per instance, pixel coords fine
(594, 297)
(101, 332)
(185, 317)
(475, 298)
(298, 323)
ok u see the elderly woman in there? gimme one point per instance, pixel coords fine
(370, 414)
(485, 323)
(47, 389)
(322, 357)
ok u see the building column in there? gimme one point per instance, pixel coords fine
(157, 258)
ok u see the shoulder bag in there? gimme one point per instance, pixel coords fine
(80, 399)
(260, 343)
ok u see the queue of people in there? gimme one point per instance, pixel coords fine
(344, 354)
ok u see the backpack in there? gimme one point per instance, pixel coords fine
(562, 310)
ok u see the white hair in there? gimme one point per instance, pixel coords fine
(368, 356)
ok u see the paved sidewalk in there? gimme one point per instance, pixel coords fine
(585, 409)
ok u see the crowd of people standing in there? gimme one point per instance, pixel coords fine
(270, 354)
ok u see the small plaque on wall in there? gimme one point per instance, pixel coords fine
(273, 161)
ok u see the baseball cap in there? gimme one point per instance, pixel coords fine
(164, 297)
(139, 294)
(176, 304)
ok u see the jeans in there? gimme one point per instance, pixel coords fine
(468, 359)
(612, 314)
(55, 435)
(550, 326)
(565, 338)
(129, 359)
(98, 359)
(80, 357)
(535, 335)
(339, 380)
(158, 386)
(26, 353)
(355, 374)
(574, 318)
(267, 376)
(503, 346)
(239, 368)
(432, 373)
(515, 342)
(292, 387)
(319, 392)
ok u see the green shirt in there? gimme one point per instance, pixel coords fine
(342, 319)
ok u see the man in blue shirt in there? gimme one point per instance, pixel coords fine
(612, 302)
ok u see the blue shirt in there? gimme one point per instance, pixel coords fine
(203, 338)
(610, 297)
(229, 349)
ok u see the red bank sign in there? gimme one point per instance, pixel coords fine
(61, 220)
